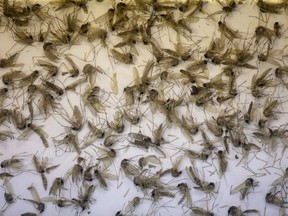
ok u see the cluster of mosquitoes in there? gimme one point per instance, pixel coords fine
(173, 128)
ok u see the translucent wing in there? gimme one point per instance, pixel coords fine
(191, 174)
(35, 161)
(114, 84)
(68, 174)
(109, 176)
(25, 134)
(44, 161)
(153, 159)
(280, 179)
(177, 161)
(50, 168)
(49, 199)
(107, 161)
(284, 141)
(238, 188)
(8, 186)
(34, 193)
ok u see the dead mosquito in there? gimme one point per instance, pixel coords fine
(245, 188)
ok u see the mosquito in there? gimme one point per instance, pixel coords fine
(37, 202)
(41, 167)
(245, 188)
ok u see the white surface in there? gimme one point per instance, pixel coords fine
(121, 191)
